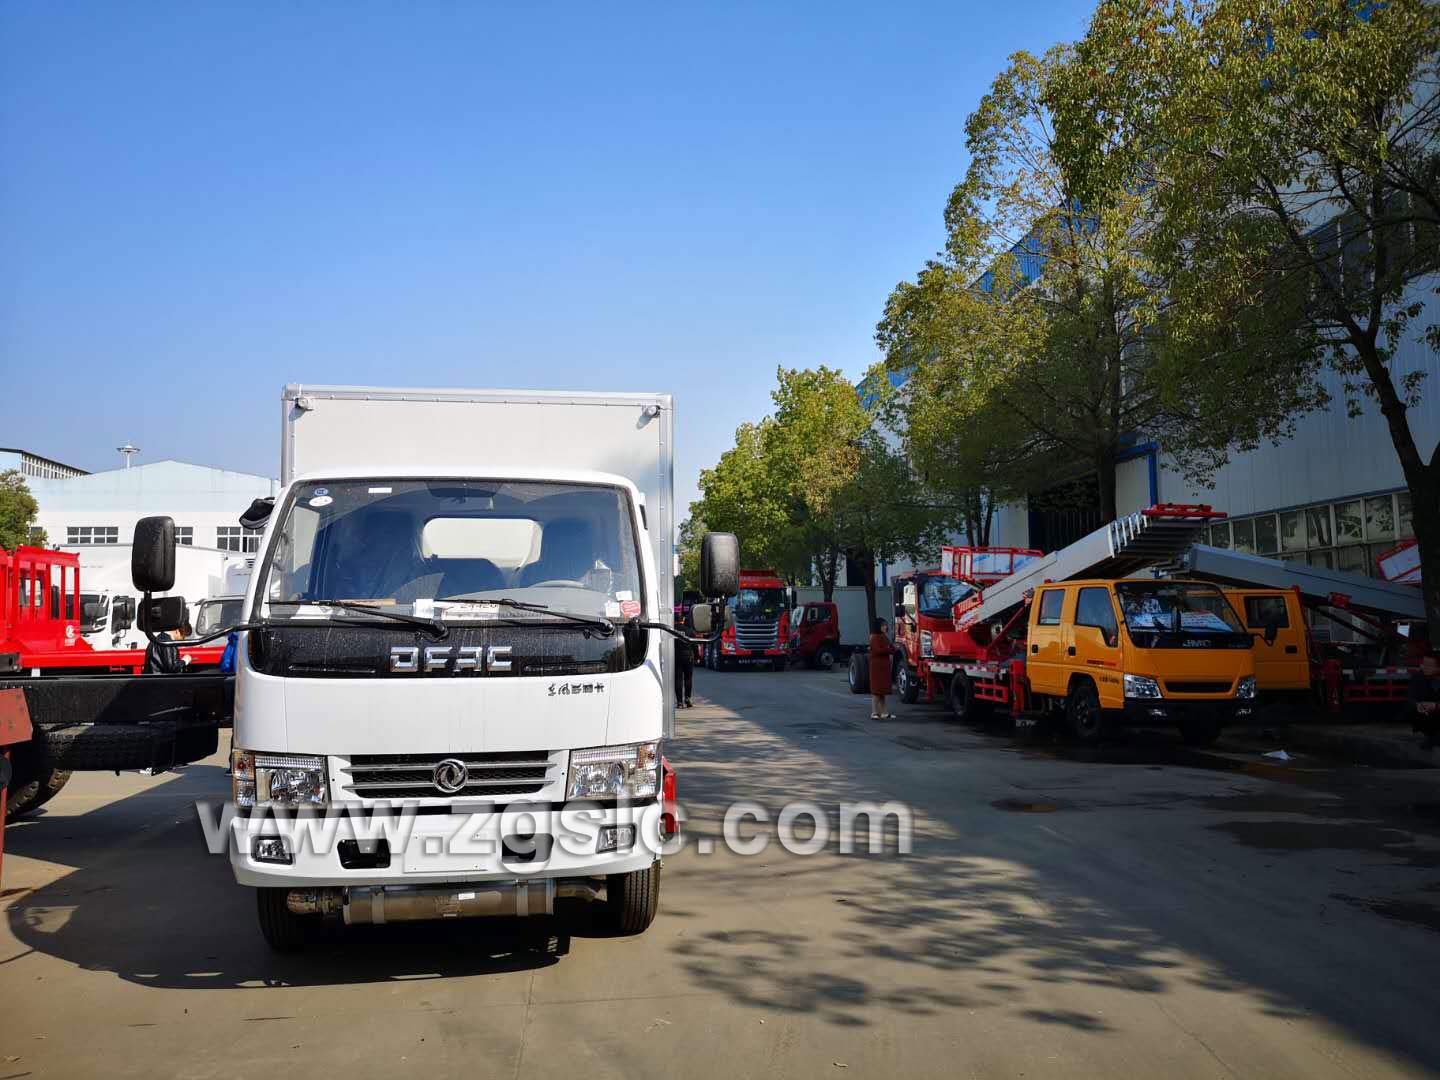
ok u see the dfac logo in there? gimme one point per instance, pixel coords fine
(491, 659)
(451, 775)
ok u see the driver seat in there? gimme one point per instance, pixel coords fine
(567, 552)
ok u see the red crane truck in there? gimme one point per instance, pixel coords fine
(91, 708)
(925, 602)
(757, 632)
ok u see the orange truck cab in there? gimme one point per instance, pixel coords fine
(1139, 651)
(1293, 666)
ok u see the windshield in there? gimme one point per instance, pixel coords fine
(1187, 608)
(937, 595)
(443, 547)
(217, 615)
(758, 605)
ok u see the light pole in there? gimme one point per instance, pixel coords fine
(129, 450)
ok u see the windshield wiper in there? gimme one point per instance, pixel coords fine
(597, 622)
(435, 626)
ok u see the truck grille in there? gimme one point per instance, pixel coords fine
(1198, 687)
(412, 776)
(757, 635)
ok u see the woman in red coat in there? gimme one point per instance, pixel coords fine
(882, 662)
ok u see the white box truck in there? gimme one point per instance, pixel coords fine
(454, 682)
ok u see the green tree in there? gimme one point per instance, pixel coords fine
(17, 512)
(1290, 157)
(1038, 343)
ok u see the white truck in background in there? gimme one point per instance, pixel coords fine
(224, 604)
(105, 577)
(459, 618)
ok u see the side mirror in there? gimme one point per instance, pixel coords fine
(91, 612)
(1272, 631)
(703, 619)
(161, 613)
(259, 513)
(122, 614)
(152, 559)
(720, 565)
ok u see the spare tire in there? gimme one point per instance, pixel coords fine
(859, 673)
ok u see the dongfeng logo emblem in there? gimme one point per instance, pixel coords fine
(450, 775)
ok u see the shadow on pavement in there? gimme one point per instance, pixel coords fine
(150, 904)
(1164, 895)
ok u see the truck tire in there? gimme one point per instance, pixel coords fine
(907, 682)
(34, 781)
(1199, 730)
(283, 930)
(1083, 714)
(960, 696)
(104, 746)
(633, 899)
(859, 673)
(825, 657)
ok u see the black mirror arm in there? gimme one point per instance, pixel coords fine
(676, 634)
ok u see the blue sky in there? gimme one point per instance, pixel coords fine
(203, 202)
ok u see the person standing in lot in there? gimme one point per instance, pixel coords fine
(684, 674)
(1425, 698)
(881, 665)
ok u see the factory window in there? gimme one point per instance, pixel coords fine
(234, 538)
(1348, 535)
(92, 534)
(185, 534)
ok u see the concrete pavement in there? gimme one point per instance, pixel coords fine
(1113, 913)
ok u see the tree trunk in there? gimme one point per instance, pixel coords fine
(829, 568)
(1425, 503)
(869, 568)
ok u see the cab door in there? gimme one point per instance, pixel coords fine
(1283, 664)
(1093, 644)
(1045, 642)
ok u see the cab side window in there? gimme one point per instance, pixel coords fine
(1261, 611)
(1051, 601)
(1095, 609)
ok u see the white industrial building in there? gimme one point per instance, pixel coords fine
(1332, 495)
(81, 510)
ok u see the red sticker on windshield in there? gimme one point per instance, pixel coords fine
(630, 609)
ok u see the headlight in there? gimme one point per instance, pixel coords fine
(614, 772)
(1141, 686)
(1246, 687)
(278, 779)
(927, 644)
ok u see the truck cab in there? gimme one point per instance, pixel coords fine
(1276, 618)
(757, 631)
(924, 607)
(815, 634)
(1139, 651)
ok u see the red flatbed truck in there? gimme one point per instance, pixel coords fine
(91, 708)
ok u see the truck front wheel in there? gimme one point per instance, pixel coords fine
(908, 683)
(825, 657)
(284, 931)
(1083, 713)
(633, 899)
(35, 780)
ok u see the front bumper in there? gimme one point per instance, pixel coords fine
(1140, 712)
(482, 842)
